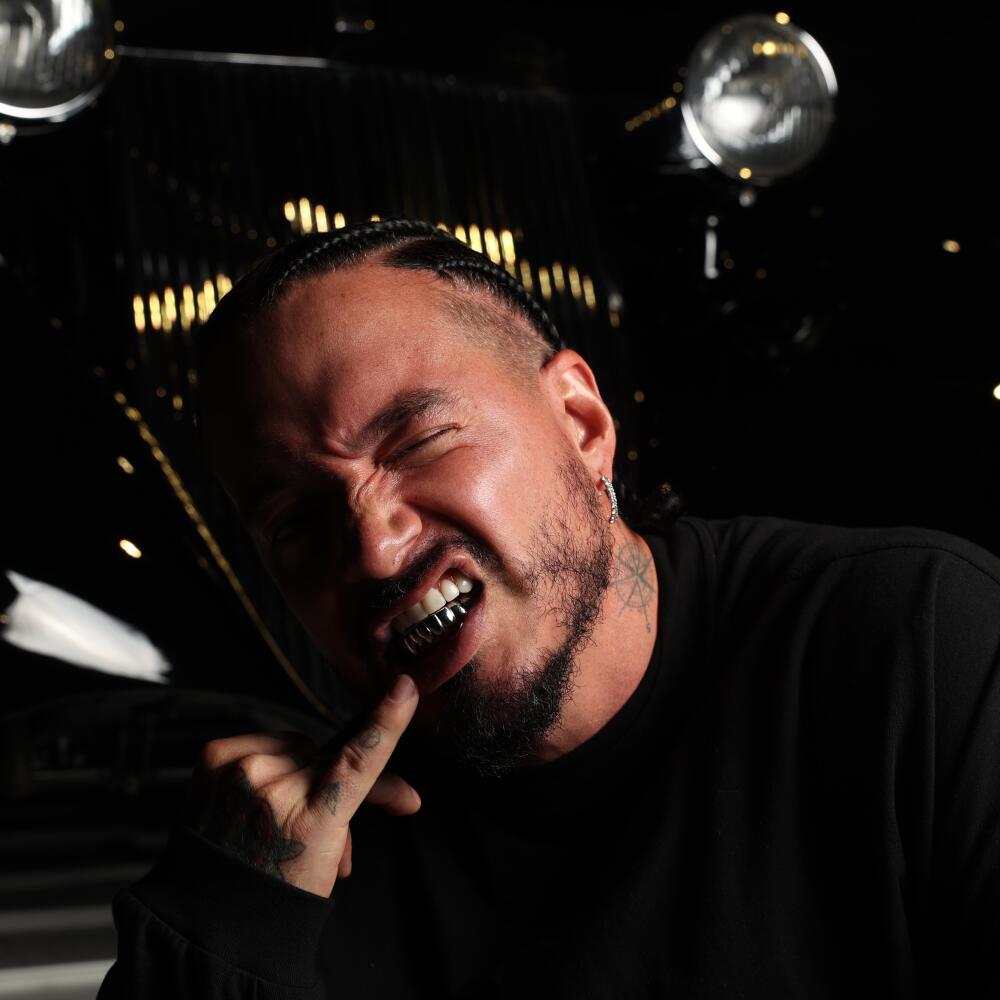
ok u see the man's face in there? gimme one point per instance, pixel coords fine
(374, 452)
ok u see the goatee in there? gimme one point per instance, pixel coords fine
(490, 725)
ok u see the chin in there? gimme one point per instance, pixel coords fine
(493, 721)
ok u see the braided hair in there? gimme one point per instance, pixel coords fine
(409, 244)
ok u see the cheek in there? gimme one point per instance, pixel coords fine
(499, 488)
(494, 487)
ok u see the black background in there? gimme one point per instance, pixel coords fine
(883, 414)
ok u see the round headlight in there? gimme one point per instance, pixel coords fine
(54, 56)
(758, 101)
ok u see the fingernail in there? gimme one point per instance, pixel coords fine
(403, 689)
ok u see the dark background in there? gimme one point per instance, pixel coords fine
(840, 369)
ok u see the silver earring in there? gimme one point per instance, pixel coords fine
(611, 496)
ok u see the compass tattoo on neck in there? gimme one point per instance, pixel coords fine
(633, 580)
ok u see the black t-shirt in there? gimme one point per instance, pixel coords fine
(801, 798)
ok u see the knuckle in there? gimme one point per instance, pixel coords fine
(253, 766)
(354, 758)
(213, 754)
(284, 805)
(285, 808)
(272, 795)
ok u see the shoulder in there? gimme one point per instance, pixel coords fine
(858, 600)
(752, 548)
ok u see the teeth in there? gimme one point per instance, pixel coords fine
(445, 621)
(433, 601)
(449, 588)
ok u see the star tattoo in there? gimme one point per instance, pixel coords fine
(631, 580)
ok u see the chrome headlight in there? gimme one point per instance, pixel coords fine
(54, 56)
(758, 102)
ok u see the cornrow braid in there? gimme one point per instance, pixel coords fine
(352, 238)
(412, 244)
(540, 317)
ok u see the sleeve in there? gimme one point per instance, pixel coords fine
(961, 951)
(204, 924)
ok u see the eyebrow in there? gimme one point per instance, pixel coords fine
(403, 408)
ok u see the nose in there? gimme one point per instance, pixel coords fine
(385, 529)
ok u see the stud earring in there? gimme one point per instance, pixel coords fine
(611, 496)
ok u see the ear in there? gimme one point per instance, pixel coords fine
(571, 391)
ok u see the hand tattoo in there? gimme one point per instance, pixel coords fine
(235, 817)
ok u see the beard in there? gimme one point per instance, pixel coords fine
(489, 725)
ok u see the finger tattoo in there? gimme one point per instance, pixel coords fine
(370, 738)
(331, 796)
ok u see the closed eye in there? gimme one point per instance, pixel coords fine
(417, 445)
(311, 512)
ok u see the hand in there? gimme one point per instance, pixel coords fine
(284, 807)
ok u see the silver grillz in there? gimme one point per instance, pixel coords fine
(435, 626)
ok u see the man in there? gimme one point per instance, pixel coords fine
(743, 757)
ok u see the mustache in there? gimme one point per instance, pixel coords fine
(390, 592)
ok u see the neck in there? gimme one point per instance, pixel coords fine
(611, 666)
